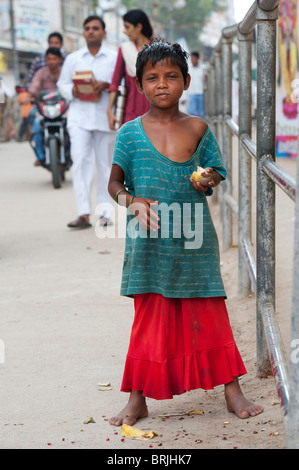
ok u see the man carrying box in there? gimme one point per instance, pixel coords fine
(91, 138)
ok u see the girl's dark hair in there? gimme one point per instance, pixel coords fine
(138, 16)
(54, 51)
(159, 50)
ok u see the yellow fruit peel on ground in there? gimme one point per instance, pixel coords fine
(195, 412)
(133, 433)
(89, 420)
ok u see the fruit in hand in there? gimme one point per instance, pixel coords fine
(201, 176)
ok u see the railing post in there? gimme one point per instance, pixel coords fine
(293, 410)
(218, 70)
(227, 63)
(266, 92)
(213, 97)
(208, 95)
(245, 125)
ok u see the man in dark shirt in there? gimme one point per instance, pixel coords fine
(55, 39)
(44, 79)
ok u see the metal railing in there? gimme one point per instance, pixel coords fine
(257, 270)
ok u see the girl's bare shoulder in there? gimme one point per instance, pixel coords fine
(197, 124)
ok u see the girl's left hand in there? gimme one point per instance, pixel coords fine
(205, 182)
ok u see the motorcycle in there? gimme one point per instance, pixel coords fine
(53, 108)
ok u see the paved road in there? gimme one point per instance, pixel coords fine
(65, 328)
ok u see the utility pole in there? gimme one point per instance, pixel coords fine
(13, 41)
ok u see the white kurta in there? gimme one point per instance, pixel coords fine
(91, 138)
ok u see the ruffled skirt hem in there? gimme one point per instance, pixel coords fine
(204, 370)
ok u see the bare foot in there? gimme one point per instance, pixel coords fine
(135, 409)
(237, 403)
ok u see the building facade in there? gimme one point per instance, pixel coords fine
(32, 22)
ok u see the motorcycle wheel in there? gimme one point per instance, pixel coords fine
(54, 163)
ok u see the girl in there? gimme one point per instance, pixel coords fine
(181, 337)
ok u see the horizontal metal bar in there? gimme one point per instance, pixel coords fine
(250, 261)
(281, 177)
(277, 355)
(268, 5)
(249, 145)
(247, 25)
(230, 31)
(231, 203)
(232, 125)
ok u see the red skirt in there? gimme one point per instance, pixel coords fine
(178, 345)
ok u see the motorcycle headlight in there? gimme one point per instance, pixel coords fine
(52, 111)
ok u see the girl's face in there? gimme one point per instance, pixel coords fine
(163, 84)
(133, 32)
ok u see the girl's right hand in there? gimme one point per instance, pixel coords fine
(146, 216)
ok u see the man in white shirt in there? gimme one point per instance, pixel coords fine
(87, 122)
(195, 91)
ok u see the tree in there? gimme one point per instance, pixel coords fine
(93, 4)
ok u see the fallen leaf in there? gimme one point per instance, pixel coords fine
(185, 413)
(275, 402)
(89, 420)
(104, 386)
(133, 433)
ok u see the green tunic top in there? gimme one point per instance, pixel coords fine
(181, 259)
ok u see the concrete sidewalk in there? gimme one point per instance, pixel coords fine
(65, 328)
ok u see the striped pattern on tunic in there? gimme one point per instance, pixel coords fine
(182, 258)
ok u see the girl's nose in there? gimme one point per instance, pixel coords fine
(161, 82)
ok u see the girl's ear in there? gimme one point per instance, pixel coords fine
(139, 87)
(187, 83)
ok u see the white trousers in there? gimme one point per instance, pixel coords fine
(90, 149)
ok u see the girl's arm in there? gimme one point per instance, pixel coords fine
(213, 180)
(139, 206)
(116, 183)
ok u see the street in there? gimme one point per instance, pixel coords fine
(65, 328)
